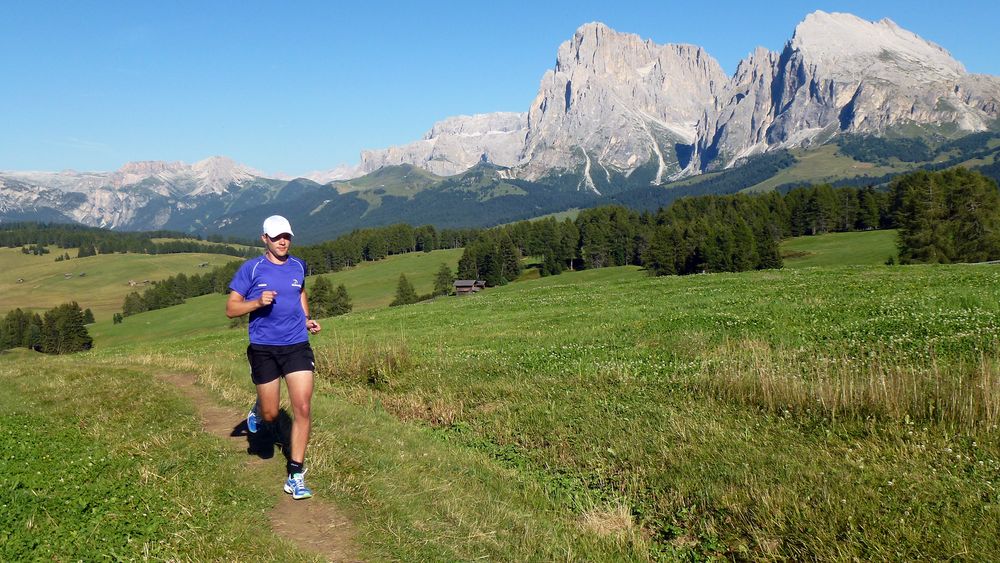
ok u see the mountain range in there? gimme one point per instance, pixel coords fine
(618, 118)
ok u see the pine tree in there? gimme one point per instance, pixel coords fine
(510, 260)
(86, 249)
(922, 219)
(405, 294)
(88, 316)
(71, 334)
(33, 337)
(443, 281)
(490, 269)
(569, 243)
(134, 304)
(767, 249)
(974, 214)
(551, 266)
(467, 267)
(659, 256)
(341, 304)
(320, 298)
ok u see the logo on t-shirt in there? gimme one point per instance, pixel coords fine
(295, 283)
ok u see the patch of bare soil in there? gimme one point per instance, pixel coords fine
(313, 524)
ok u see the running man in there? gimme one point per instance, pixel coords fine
(272, 289)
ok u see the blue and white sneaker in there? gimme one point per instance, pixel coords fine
(252, 419)
(295, 485)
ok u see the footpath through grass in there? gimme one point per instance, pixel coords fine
(99, 462)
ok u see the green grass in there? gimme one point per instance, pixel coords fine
(840, 249)
(823, 164)
(108, 463)
(836, 412)
(560, 216)
(102, 289)
(372, 285)
(604, 386)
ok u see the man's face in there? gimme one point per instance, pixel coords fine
(278, 246)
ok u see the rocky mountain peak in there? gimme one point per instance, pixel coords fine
(456, 144)
(478, 125)
(146, 168)
(216, 173)
(615, 102)
(841, 74)
(848, 46)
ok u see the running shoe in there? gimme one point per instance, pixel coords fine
(295, 485)
(252, 419)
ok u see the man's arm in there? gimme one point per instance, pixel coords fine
(311, 324)
(237, 306)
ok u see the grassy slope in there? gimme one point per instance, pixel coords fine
(102, 462)
(370, 285)
(600, 384)
(823, 164)
(373, 284)
(403, 181)
(840, 249)
(553, 418)
(102, 289)
(559, 216)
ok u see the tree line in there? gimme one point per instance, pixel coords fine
(944, 216)
(91, 241)
(61, 330)
(372, 244)
(363, 245)
(948, 216)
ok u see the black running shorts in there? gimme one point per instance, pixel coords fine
(268, 363)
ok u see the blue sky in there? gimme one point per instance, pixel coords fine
(301, 86)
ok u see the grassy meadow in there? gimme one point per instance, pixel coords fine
(824, 164)
(817, 412)
(372, 285)
(99, 283)
(840, 249)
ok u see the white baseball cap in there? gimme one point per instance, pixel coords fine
(276, 225)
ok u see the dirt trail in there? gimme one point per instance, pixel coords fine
(313, 524)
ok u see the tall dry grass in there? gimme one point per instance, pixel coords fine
(960, 393)
(372, 363)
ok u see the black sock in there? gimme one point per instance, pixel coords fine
(294, 467)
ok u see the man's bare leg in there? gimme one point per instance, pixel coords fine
(300, 390)
(268, 399)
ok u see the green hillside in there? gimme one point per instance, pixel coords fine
(99, 283)
(373, 284)
(870, 160)
(840, 249)
(403, 180)
(825, 164)
(370, 285)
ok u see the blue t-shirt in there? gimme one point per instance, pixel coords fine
(283, 322)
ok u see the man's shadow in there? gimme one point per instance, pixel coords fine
(268, 436)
